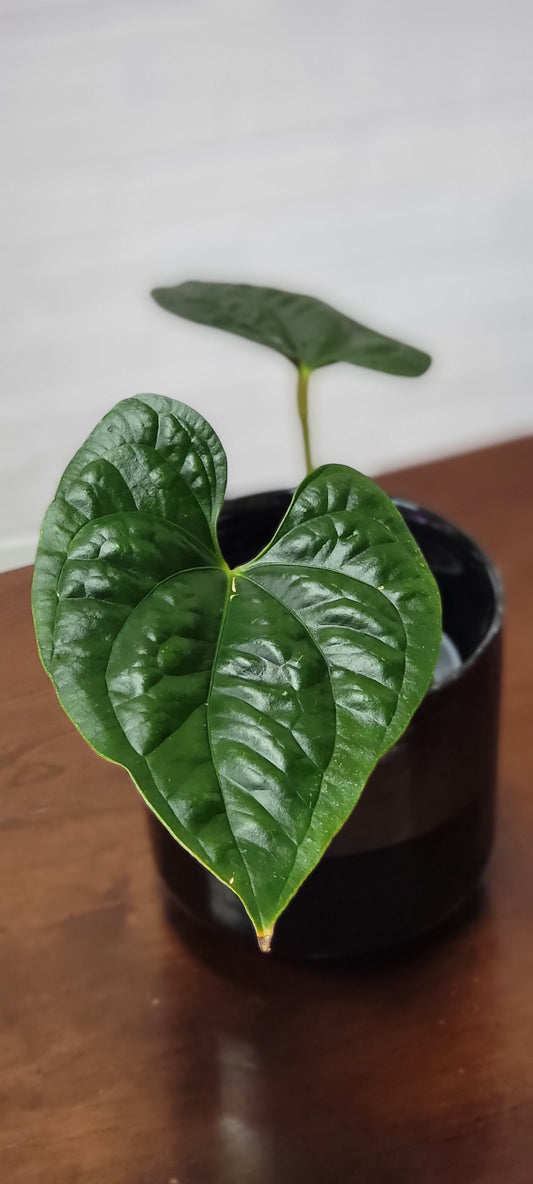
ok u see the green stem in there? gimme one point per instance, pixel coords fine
(303, 379)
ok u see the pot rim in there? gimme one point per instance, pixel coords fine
(432, 517)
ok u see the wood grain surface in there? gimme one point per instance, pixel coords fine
(134, 1055)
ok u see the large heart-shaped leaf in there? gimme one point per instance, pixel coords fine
(249, 706)
(306, 330)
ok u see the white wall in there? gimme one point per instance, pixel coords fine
(373, 152)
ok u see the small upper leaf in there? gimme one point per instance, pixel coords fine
(306, 330)
(249, 706)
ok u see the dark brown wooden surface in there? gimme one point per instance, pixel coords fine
(129, 1056)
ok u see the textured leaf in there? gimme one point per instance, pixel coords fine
(306, 330)
(249, 706)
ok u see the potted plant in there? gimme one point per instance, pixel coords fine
(252, 665)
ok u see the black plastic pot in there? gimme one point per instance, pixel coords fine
(415, 847)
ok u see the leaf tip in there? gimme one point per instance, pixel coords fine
(264, 940)
(424, 362)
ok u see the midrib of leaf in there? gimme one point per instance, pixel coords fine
(316, 646)
(223, 620)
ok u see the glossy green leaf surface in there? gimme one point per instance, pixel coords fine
(310, 333)
(249, 706)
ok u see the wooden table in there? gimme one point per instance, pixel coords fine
(132, 1056)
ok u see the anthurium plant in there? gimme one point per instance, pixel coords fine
(249, 705)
